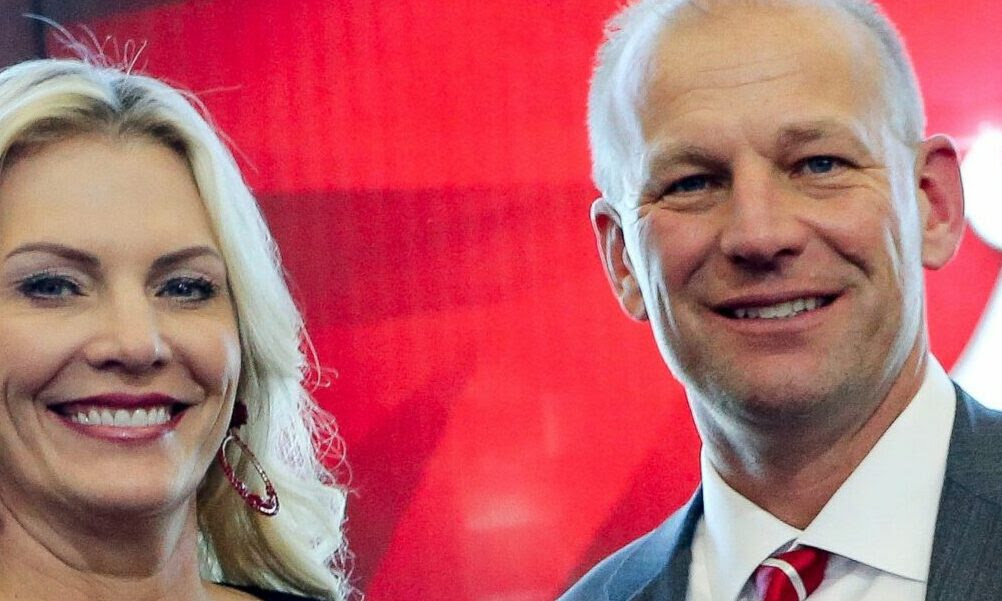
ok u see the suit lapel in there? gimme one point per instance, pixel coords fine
(672, 582)
(967, 545)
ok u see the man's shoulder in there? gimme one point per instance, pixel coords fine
(595, 584)
(975, 455)
(620, 575)
(967, 545)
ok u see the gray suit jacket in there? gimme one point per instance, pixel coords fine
(966, 550)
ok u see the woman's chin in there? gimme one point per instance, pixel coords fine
(133, 500)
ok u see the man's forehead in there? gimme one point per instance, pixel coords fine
(696, 57)
(718, 34)
(700, 8)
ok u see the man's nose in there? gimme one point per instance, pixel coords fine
(128, 336)
(763, 226)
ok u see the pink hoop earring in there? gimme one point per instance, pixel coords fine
(269, 504)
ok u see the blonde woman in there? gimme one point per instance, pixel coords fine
(156, 441)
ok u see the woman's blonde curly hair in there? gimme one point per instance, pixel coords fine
(302, 549)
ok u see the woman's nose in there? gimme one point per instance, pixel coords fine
(128, 335)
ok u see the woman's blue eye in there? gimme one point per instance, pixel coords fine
(188, 289)
(47, 286)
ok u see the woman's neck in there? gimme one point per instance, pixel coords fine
(108, 557)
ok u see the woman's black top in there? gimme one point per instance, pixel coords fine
(270, 595)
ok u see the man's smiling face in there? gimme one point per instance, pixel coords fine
(776, 244)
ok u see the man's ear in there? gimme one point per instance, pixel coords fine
(941, 195)
(616, 260)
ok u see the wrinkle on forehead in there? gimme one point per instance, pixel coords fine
(730, 77)
(745, 47)
(761, 62)
(718, 7)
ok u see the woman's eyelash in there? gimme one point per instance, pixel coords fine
(49, 285)
(189, 289)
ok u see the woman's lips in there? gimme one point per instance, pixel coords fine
(121, 417)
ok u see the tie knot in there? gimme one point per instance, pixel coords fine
(791, 576)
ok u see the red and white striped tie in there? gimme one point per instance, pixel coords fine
(791, 576)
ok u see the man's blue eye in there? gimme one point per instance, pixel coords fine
(188, 289)
(822, 164)
(46, 286)
(693, 183)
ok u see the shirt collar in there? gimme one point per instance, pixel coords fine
(883, 515)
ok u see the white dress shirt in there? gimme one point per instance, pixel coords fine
(878, 525)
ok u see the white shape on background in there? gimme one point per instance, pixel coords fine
(979, 368)
(982, 174)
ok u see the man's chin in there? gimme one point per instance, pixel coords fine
(780, 404)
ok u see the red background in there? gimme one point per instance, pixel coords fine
(424, 168)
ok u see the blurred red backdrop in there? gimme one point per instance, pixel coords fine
(424, 168)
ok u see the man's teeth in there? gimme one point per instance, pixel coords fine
(123, 418)
(780, 310)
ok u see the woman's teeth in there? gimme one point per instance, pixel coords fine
(123, 418)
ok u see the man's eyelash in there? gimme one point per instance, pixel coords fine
(701, 180)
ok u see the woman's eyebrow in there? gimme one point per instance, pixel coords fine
(60, 250)
(172, 259)
(91, 261)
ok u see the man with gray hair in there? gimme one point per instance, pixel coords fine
(769, 202)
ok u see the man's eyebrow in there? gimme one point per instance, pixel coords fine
(172, 259)
(670, 155)
(799, 134)
(663, 158)
(60, 250)
(791, 136)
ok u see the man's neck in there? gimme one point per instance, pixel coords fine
(793, 470)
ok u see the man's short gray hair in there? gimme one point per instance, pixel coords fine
(624, 65)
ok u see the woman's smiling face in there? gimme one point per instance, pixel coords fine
(119, 352)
